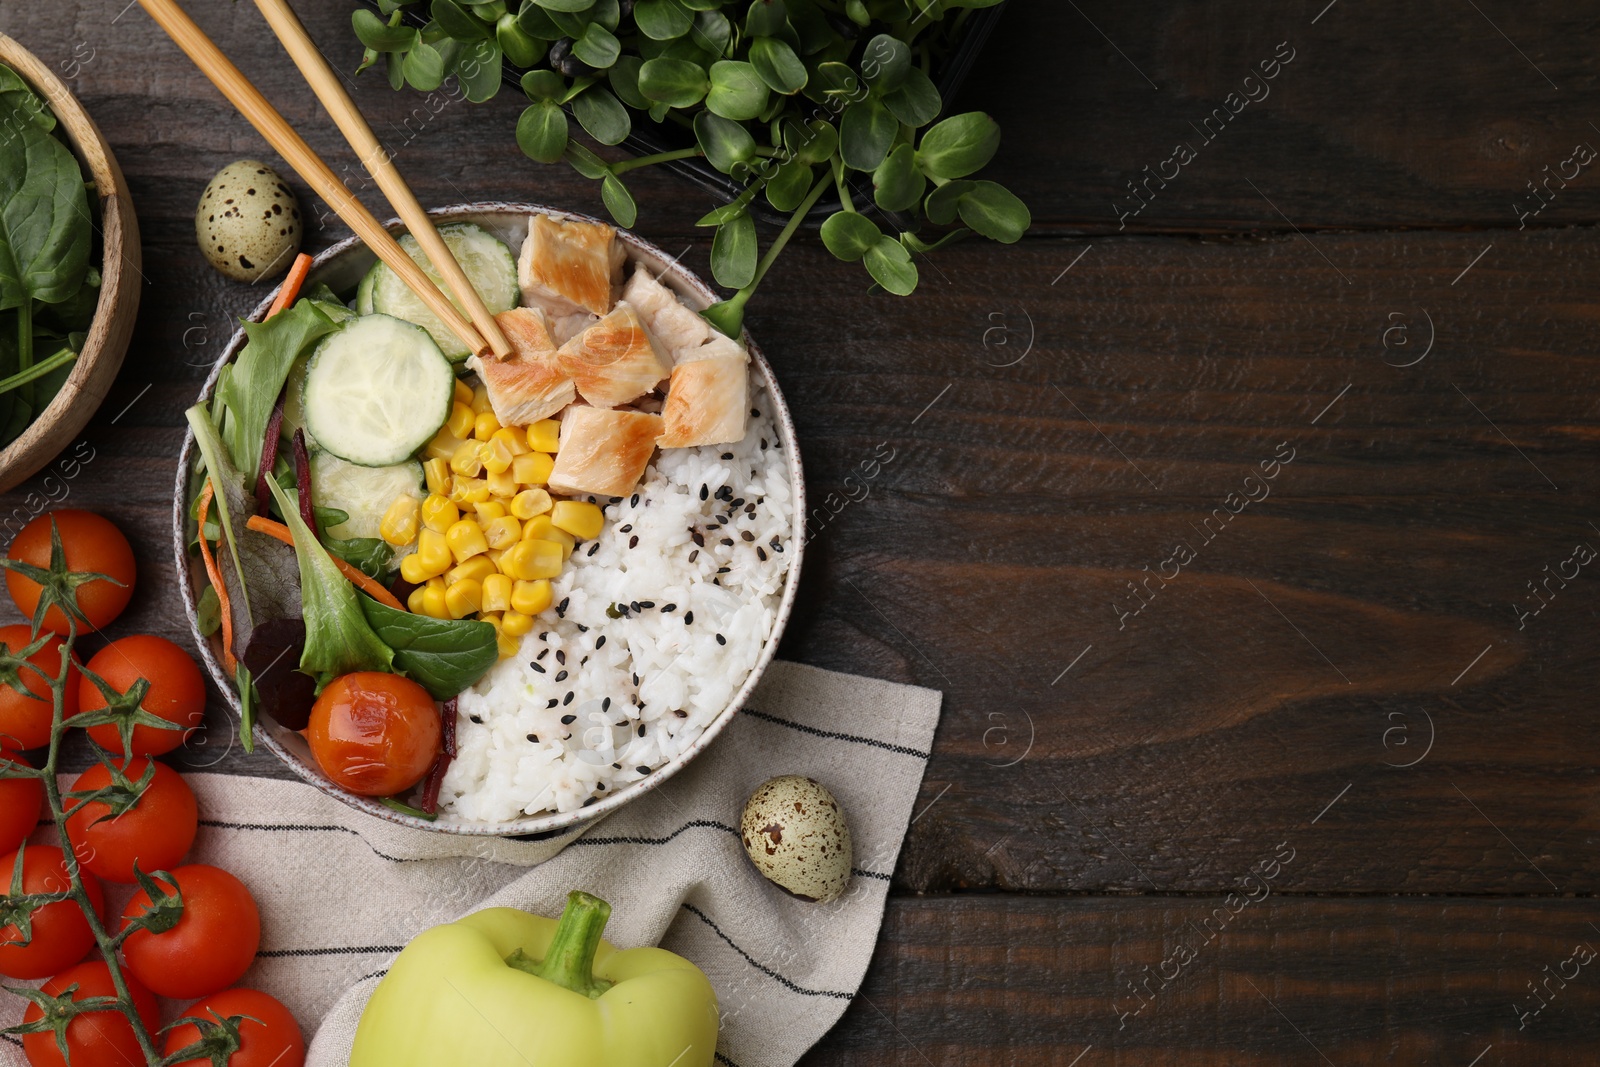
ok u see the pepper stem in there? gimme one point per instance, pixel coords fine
(569, 963)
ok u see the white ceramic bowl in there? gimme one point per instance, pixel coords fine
(342, 267)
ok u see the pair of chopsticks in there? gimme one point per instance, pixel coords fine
(480, 335)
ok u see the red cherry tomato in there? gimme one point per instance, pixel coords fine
(210, 947)
(177, 691)
(61, 935)
(21, 806)
(157, 831)
(273, 1041)
(96, 1038)
(374, 734)
(91, 544)
(25, 715)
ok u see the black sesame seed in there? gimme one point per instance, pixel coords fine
(641, 729)
(670, 607)
(475, 719)
(582, 629)
(636, 606)
(725, 493)
(591, 800)
(705, 491)
(534, 738)
(755, 413)
(543, 652)
(775, 544)
(561, 608)
(616, 766)
(748, 536)
(593, 549)
(761, 554)
(583, 662)
(561, 676)
(763, 444)
(625, 529)
(737, 504)
(688, 618)
(644, 770)
(633, 542)
(727, 541)
(636, 678)
(722, 520)
(601, 643)
(543, 634)
(698, 538)
(561, 657)
(536, 666)
(633, 501)
(681, 714)
(568, 720)
(727, 455)
(647, 604)
(721, 640)
(694, 555)
(749, 509)
(567, 699)
(602, 785)
(553, 702)
(605, 705)
(724, 570)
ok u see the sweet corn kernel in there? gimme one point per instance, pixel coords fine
(544, 435)
(466, 461)
(503, 484)
(579, 518)
(495, 455)
(466, 540)
(531, 559)
(433, 601)
(514, 438)
(477, 568)
(502, 532)
(492, 618)
(414, 602)
(530, 598)
(464, 490)
(437, 471)
(530, 502)
(399, 524)
(463, 598)
(532, 468)
(489, 509)
(485, 425)
(496, 593)
(480, 399)
(443, 445)
(541, 528)
(493, 556)
(515, 624)
(461, 421)
(439, 514)
(463, 393)
(431, 559)
(506, 645)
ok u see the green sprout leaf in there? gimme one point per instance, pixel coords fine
(598, 46)
(885, 62)
(994, 211)
(536, 22)
(521, 48)
(958, 146)
(711, 32)
(733, 252)
(601, 115)
(866, 133)
(542, 131)
(944, 202)
(849, 235)
(890, 266)
(737, 91)
(540, 85)
(767, 18)
(777, 65)
(618, 201)
(456, 22)
(378, 35)
(661, 20)
(624, 78)
(788, 185)
(565, 5)
(675, 82)
(478, 67)
(812, 142)
(423, 67)
(897, 184)
(586, 162)
(916, 102)
(726, 144)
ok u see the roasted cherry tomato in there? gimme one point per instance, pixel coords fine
(61, 935)
(157, 830)
(21, 806)
(213, 943)
(269, 1037)
(91, 545)
(177, 691)
(25, 713)
(374, 734)
(95, 1038)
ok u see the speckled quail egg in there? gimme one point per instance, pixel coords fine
(796, 835)
(248, 222)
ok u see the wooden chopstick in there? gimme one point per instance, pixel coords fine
(306, 163)
(375, 158)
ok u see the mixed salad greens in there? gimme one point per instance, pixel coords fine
(49, 284)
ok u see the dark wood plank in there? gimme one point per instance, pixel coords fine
(1041, 982)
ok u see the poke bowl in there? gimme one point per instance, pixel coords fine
(621, 500)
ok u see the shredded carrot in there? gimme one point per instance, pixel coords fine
(281, 532)
(215, 574)
(291, 284)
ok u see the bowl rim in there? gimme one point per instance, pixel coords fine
(553, 823)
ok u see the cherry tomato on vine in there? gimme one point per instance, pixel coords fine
(95, 1038)
(374, 734)
(91, 544)
(21, 806)
(25, 714)
(61, 935)
(213, 943)
(177, 691)
(272, 1041)
(157, 830)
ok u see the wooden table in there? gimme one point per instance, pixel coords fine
(1318, 786)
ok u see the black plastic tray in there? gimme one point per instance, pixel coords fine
(648, 138)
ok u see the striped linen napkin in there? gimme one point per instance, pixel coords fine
(341, 893)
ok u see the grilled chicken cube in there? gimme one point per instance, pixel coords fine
(569, 267)
(615, 360)
(529, 384)
(603, 451)
(706, 403)
(678, 329)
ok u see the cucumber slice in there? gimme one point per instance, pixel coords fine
(364, 290)
(363, 493)
(294, 399)
(488, 264)
(377, 391)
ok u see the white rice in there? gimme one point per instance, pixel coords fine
(592, 704)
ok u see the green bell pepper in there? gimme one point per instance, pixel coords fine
(502, 988)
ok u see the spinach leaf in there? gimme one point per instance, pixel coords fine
(18, 101)
(45, 230)
(339, 639)
(444, 656)
(257, 377)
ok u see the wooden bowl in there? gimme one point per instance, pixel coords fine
(60, 423)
